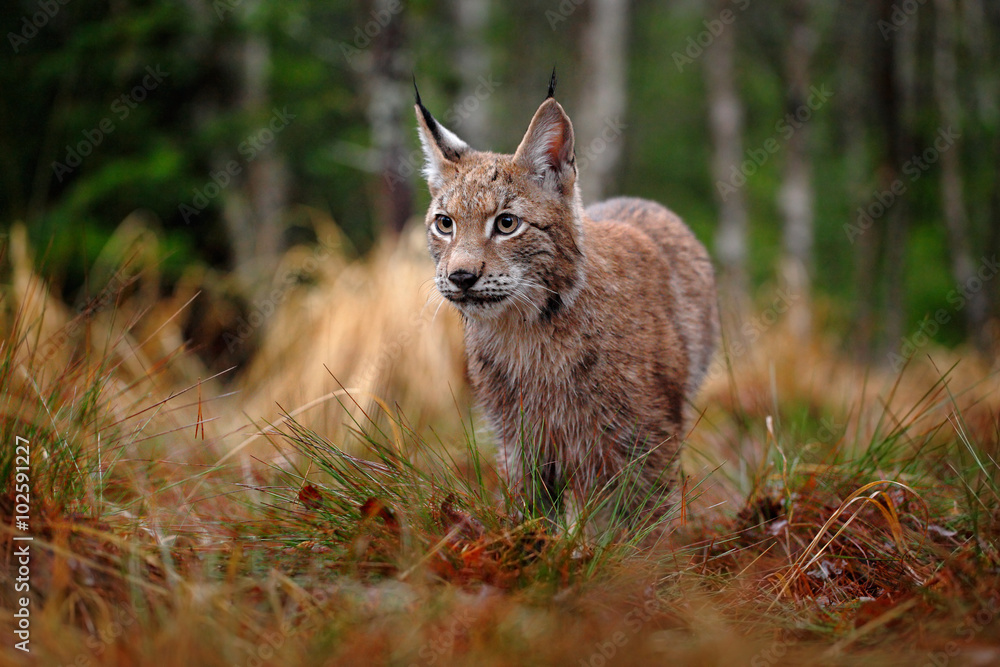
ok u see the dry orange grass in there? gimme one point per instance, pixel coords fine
(823, 403)
(123, 342)
(146, 554)
(374, 326)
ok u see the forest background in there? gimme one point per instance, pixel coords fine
(847, 153)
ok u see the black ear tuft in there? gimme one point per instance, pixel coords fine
(552, 84)
(428, 118)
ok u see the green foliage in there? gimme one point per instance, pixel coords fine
(70, 76)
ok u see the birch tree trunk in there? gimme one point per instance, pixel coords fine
(252, 210)
(795, 199)
(473, 63)
(725, 119)
(600, 142)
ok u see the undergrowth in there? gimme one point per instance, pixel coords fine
(816, 525)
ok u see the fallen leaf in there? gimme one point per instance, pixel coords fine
(468, 527)
(373, 507)
(311, 497)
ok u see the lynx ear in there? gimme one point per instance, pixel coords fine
(442, 147)
(547, 147)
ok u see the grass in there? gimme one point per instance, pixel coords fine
(832, 514)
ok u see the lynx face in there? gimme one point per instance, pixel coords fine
(502, 228)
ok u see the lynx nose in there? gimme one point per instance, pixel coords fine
(463, 279)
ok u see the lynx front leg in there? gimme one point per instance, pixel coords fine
(576, 522)
(510, 465)
(535, 478)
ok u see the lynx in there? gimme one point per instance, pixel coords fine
(586, 330)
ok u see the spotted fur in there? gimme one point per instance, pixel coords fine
(587, 331)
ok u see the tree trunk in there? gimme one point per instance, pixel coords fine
(993, 241)
(255, 202)
(725, 118)
(267, 178)
(857, 17)
(980, 22)
(895, 86)
(988, 55)
(390, 97)
(473, 63)
(604, 63)
(795, 199)
(978, 36)
(963, 266)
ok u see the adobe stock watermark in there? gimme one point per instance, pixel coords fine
(441, 647)
(611, 131)
(272, 641)
(913, 169)
(453, 119)
(829, 432)
(122, 621)
(562, 12)
(391, 352)
(770, 655)
(753, 329)
(784, 129)
(606, 649)
(364, 34)
(249, 149)
(696, 44)
(84, 313)
(263, 308)
(121, 108)
(900, 14)
(19, 562)
(958, 297)
(31, 26)
(966, 632)
(223, 7)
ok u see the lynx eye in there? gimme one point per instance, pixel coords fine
(444, 224)
(507, 223)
